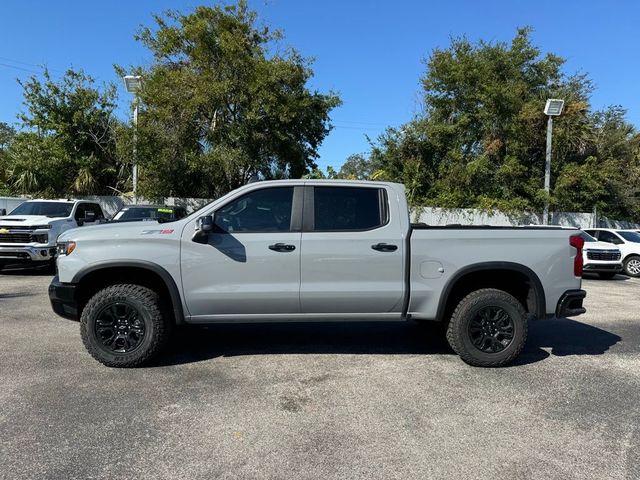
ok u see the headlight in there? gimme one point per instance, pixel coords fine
(66, 248)
(41, 238)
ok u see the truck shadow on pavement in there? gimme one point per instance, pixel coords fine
(562, 337)
(193, 344)
(28, 272)
(594, 276)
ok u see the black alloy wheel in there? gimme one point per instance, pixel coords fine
(491, 329)
(119, 327)
(488, 328)
(125, 325)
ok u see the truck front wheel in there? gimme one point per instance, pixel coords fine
(124, 325)
(631, 266)
(488, 328)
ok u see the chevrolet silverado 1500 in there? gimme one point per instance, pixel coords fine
(307, 250)
(28, 234)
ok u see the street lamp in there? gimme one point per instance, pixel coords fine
(553, 108)
(133, 84)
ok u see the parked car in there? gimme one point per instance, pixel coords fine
(628, 241)
(28, 234)
(160, 213)
(601, 257)
(314, 251)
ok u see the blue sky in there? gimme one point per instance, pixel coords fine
(370, 52)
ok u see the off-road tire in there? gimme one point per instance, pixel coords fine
(158, 324)
(607, 275)
(631, 259)
(459, 336)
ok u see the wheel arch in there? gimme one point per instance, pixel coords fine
(94, 277)
(513, 278)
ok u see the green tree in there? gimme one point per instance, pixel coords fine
(7, 134)
(222, 102)
(67, 145)
(480, 140)
(356, 167)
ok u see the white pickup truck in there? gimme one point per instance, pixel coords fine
(306, 250)
(28, 234)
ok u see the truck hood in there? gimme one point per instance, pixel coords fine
(600, 246)
(29, 220)
(125, 230)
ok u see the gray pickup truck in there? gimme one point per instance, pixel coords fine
(307, 250)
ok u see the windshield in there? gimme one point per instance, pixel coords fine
(630, 236)
(144, 213)
(48, 209)
(587, 238)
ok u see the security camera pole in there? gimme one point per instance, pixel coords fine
(133, 84)
(553, 108)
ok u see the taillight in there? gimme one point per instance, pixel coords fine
(577, 242)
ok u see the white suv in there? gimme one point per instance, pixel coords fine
(601, 257)
(628, 241)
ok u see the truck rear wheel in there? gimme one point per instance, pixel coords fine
(124, 325)
(488, 328)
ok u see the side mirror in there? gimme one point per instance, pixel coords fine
(3, 212)
(89, 216)
(204, 226)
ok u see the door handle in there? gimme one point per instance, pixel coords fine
(282, 247)
(384, 247)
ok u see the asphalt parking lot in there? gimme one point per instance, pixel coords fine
(321, 401)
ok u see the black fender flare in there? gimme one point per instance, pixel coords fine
(540, 305)
(174, 293)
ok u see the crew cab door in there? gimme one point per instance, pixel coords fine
(250, 263)
(352, 252)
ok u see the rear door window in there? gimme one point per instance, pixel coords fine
(338, 209)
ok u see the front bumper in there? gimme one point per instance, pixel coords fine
(570, 304)
(26, 254)
(63, 299)
(602, 267)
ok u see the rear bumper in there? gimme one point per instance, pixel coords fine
(63, 299)
(570, 304)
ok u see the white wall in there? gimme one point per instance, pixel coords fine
(9, 203)
(470, 216)
(111, 204)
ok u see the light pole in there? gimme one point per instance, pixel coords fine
(553, 108)
(133, 84)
